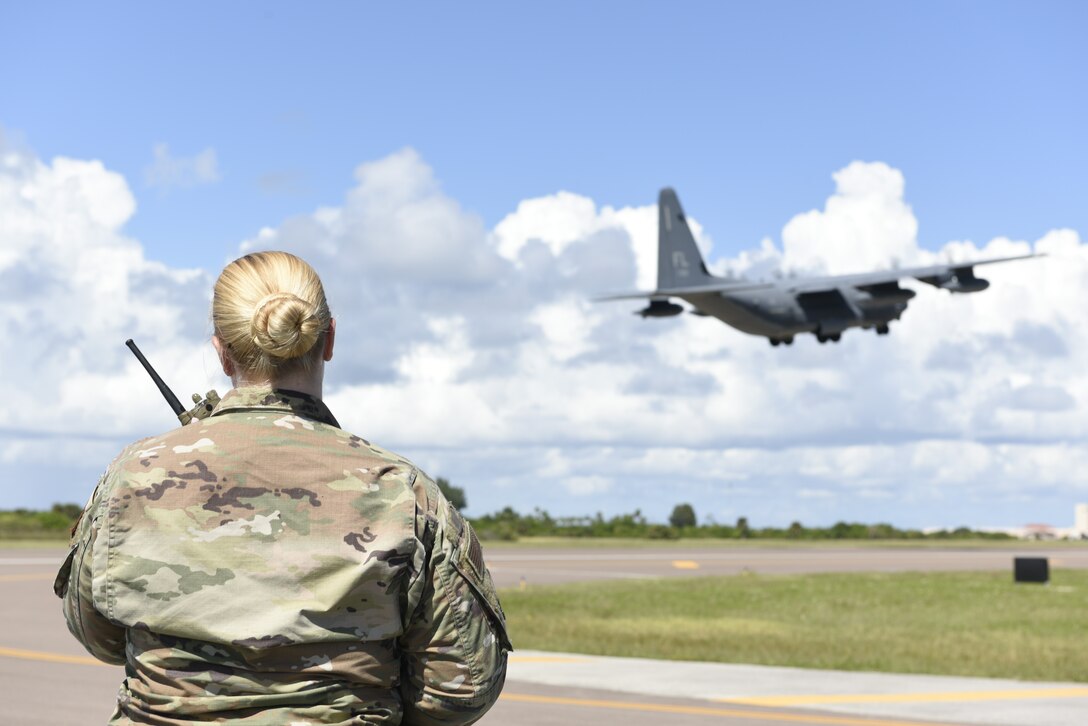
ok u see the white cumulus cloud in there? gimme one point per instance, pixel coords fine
(866, 224)
(477, 352)
(73, 288)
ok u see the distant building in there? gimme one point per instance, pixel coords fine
(1039, 531)
(1079, 530)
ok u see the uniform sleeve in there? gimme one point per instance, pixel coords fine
(103, 639)
(454, 648)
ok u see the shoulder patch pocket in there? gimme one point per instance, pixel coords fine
(60, 585)
(468, 559)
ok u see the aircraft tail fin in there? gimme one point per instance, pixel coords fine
(679, 263)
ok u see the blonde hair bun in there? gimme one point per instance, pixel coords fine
(270, 312)
(284, 325)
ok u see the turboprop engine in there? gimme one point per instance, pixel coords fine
(961, 279)
(972, 284)
(884, 295)
(660, 309)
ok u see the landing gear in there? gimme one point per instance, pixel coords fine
(775, 342)
(833, 337)
(882, 329)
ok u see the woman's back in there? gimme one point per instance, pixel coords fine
(268, 567)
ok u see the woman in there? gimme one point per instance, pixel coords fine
(263, 566)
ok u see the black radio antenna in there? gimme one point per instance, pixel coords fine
(164, 389)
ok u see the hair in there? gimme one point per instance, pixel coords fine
(269, 311)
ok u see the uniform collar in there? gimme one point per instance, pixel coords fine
(265, 398)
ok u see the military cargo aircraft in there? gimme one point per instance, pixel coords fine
(781, 309)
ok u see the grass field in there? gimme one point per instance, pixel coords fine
(22, 544)
(979, 624)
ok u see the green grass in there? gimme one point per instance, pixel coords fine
(23, 544)
(979, 624)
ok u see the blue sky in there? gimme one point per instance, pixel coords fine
(419, 155)
(745, 107)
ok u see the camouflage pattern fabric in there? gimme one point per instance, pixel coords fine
(262, 566)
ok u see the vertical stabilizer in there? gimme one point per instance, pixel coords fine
(679, 263)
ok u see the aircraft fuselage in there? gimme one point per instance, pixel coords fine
(779, 314)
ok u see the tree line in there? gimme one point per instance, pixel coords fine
(55, 523)
(508, 524)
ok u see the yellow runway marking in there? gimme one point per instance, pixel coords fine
(830, 720)
(817, 699)
(685, 564)
(49, 657)
(28, 576)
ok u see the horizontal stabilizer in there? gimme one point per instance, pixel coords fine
(723, 286)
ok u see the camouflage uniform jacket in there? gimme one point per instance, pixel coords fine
(263, 566)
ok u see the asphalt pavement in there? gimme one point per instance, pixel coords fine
(510, 565)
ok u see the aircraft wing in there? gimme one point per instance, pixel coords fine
(954, 276)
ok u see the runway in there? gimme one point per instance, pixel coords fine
(509, 565)
(48, 678)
